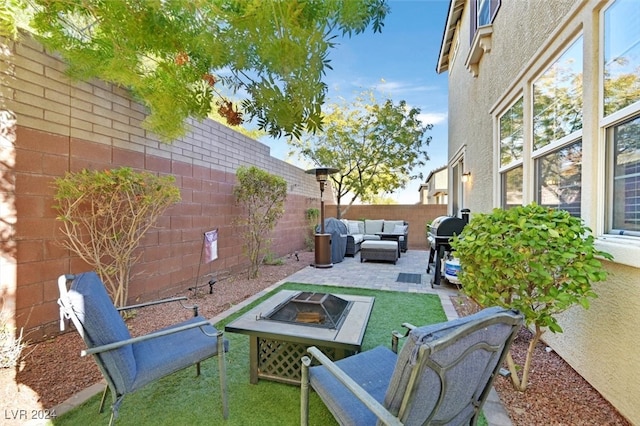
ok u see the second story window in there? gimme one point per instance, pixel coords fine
(483, 12)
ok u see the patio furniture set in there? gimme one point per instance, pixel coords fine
(377, 239)
(441, 375)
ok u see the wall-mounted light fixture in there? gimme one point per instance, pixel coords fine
(466, 177)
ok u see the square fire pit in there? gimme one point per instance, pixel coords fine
(315, 309)
(282, 327)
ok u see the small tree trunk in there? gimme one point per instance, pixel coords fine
(520, 384)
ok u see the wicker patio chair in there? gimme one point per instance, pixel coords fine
(441, 376)
(127, 363)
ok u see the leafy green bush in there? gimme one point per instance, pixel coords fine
(538, 260)
(262, 196)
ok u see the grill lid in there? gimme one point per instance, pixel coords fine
(446, 226)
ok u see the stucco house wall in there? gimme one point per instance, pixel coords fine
(527, 36)
(51, 126)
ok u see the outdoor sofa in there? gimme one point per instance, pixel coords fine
(363, 230)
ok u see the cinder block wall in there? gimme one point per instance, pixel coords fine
(417, 215)
(52, 126)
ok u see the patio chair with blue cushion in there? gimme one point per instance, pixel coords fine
(442, 375)
(127, 363)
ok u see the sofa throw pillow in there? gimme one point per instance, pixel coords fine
(353, 228)
(389, 225)
(371, 226)
(400, 229)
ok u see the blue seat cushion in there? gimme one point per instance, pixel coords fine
(158, 357)
(371, 369)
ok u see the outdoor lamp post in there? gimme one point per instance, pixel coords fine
(322, 240)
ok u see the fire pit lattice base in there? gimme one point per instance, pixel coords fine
(280, 361)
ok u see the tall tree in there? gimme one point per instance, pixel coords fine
(376, 147)
(180, 57)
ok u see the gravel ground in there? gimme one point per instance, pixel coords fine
(52, 371)
(556, 394)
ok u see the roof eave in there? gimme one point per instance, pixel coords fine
(453, 16)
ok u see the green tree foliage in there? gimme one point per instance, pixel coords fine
(537, 260)
(104, 216)
(262, 195)
(374, 145)
(10, 13)
(180, 56)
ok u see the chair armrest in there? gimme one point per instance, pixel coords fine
(116, 345)
(376, 408)
(396, 336)
(155, 302)
(158, 302)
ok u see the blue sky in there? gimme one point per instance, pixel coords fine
(399, 63)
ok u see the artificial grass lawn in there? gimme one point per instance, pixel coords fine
(184, 399)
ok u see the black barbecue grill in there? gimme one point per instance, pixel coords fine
(442, 230)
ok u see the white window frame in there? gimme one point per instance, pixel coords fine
(503, 169)
(625, 249)
(561, 143)
(457, 191)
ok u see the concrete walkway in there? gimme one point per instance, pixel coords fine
(352, 273)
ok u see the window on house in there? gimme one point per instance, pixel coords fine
(624, 145)
(512, 188)
(557, 132)
(483, 12)
(456, 188)
(559, 178)
(511, 135)
(557, 98)
(621, 55)
(511, 144)
(621, 115)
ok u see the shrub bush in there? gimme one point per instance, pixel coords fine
(537, 260)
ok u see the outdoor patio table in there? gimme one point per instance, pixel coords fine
(275, 347)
